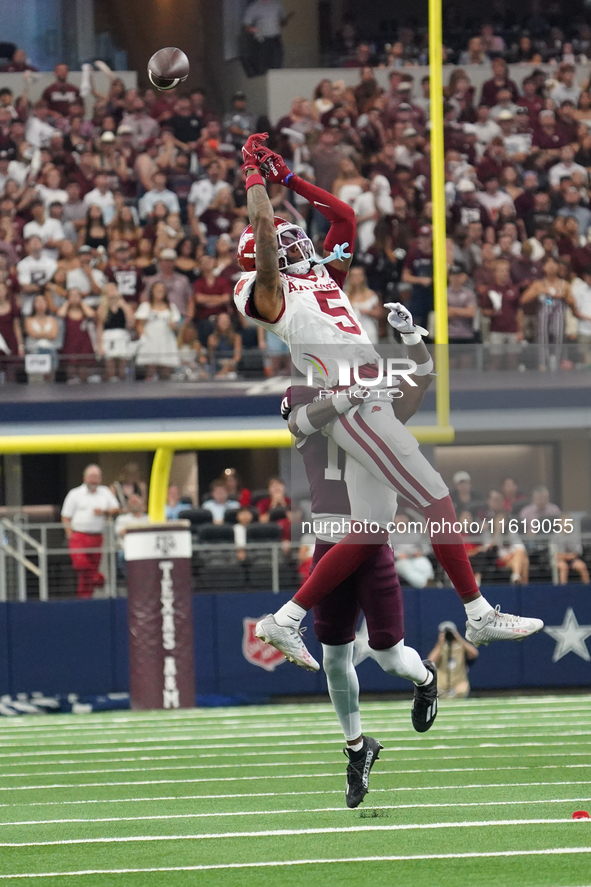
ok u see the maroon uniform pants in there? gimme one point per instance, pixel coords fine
(375, 590)
(86, 563)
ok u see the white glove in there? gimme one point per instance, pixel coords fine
(401, 319)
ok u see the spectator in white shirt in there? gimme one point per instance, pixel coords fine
(84, 515)
(492, 198)
(159, 193)
(219, 502)
(566, 168)
(566, 90)
(504, 103)
(49, 230)
(202, 194)
(38, 131)
(485, 128)
(50, 192)
(136, 513)
(540, 508)
(33, 272)
(102, 196)
(517, 144)
(90, 281)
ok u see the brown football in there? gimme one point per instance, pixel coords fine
(168, 67)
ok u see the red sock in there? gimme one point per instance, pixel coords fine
(341, 561)
(449, 548)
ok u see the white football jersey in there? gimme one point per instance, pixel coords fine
(316, 312)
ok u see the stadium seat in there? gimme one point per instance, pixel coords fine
(216, 534)
(263, 533)
(196, 516)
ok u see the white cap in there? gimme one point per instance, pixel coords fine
(460, 476)
(466, 185)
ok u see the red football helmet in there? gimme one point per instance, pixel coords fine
(288, 235)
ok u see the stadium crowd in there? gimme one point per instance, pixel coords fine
(118, 227)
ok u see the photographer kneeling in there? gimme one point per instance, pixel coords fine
(452, 655)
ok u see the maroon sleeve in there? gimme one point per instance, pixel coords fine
(297, 395)
(343, 224)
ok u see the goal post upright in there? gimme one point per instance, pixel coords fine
(438, 204)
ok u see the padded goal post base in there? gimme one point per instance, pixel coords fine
(161, 658)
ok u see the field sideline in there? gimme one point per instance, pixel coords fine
(227, 796)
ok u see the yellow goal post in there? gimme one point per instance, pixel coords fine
(165, 443)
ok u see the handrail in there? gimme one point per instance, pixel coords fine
(19, 555)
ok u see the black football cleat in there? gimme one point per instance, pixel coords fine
(358, 770)
(424, 706)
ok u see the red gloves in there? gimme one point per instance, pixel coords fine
(251, 146)
(272, 165)
(269, 163)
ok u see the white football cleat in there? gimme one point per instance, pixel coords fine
(288, 640)
(499, 626)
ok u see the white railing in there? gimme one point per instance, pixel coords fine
(24, 544)
(41, 550)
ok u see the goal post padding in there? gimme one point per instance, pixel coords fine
(160, 618)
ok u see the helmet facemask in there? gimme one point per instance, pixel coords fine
(296, 238)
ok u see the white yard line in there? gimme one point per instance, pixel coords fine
(398, 788)
(294, 811)
(443, 733)
(427, 753)
(473, 707)
(283, 833)
(289, 744)
(288, 763)
(215, 778)
(290, 862)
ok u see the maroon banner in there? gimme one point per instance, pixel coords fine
(161, 657)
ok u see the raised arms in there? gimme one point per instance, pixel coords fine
(268, 294)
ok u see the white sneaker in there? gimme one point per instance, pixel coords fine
(499, 626)
(288, 640)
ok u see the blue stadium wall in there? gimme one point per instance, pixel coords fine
(81, 647)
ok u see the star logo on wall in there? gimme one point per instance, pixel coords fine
(570, 637)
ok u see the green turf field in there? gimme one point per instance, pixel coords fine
(255, 796)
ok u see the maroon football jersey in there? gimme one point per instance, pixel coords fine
(324, 462)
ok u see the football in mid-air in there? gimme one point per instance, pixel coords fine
(168, 67)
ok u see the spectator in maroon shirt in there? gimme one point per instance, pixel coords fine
(531, 100)
(211, 296)
(494, 160)
(499, 80)
(467, 209)
(483, 277)
(61, 95)
(11, 337)
(124, 274)
(18, 63)
(567, 228)
(548, 138)
(218, 217)
(566, 121)
(525, 201)
(502, 304)
(581, 259)
(275, 499)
